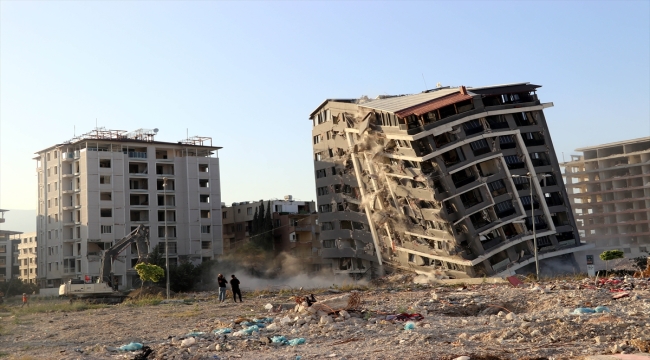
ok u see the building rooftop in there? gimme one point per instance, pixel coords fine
(399, 103)
(136, 136)
(613, 144)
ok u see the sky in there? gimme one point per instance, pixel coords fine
(248, 74)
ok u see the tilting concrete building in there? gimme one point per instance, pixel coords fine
(608, 188)
(435, 182)
(98, 187)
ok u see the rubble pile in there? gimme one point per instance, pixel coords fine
(547, 320)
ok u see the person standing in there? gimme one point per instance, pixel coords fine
(234, 283)
(24, 300)
(222, 287)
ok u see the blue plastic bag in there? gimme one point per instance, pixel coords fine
(223, 331)
(296, 341)
(579, 311)
(249, 330)
(131, 347)
(409, 325)
(279, 339)
(602, 309)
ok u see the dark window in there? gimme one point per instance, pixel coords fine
(540, 159)
(504, 209)
(471, 198)
(444, 139)
(497, 188)
(507, 142)
(462, 178)
(553, 199)
(513, 162)
(321, 173)
(497, 122)
(521, 183)
(453, 157)
(473, 127)
(106, 212)
(480, 147)
(533, 138)
(525, 201)
(524, 119)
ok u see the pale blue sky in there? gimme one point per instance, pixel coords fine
(249, 73)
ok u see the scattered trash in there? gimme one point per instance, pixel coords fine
(598, 309)
(222, 331)
(279, 339)
(579, 311)
(621, 295)
(131, 347)
(409, 325)
(296, 341)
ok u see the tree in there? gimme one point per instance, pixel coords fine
(254, 224)
(608, 255)
(149, 272)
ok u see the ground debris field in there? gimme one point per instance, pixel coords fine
(554, 319)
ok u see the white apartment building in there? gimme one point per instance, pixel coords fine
(27, 260)
(96, 188)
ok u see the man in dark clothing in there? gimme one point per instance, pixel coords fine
(234, 283)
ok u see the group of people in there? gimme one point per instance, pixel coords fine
(234, 285)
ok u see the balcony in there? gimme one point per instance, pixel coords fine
(137, 154)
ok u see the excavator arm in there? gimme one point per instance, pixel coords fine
(139, 236)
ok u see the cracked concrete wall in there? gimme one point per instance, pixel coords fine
(438, 197)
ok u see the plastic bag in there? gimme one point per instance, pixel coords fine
(602, 309)
(131, 347)
(579, 311)
(409, 325)
(296, 341)
(223, 331)
(249, 330)
(279, 339)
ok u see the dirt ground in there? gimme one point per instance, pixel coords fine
(481, 321)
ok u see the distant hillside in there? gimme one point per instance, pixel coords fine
(20, 220)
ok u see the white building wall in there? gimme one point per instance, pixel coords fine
(81, 223)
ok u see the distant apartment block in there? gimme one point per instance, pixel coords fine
(608, 188)
(436, 182)
(27, 256)
(98, 187)
(295, 228)
(9, 268)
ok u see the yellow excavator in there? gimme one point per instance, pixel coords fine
(105, 289)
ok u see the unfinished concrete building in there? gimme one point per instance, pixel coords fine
(435, 183)
(607, 186)
(96, 188)
(295, 229)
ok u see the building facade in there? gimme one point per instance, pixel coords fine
(8, 252)
(295, 228)
(27, 256)
(436, 183)
(96, 188)
(607, 186)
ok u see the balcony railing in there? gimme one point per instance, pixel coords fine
(138, 154)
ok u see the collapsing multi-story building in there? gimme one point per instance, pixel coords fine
(436, 182)
(98, 187)
(608, 188)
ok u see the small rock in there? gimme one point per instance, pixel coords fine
(463, 358)
(511, 316)
(535, 333)
(268, 306)
(599, 339)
